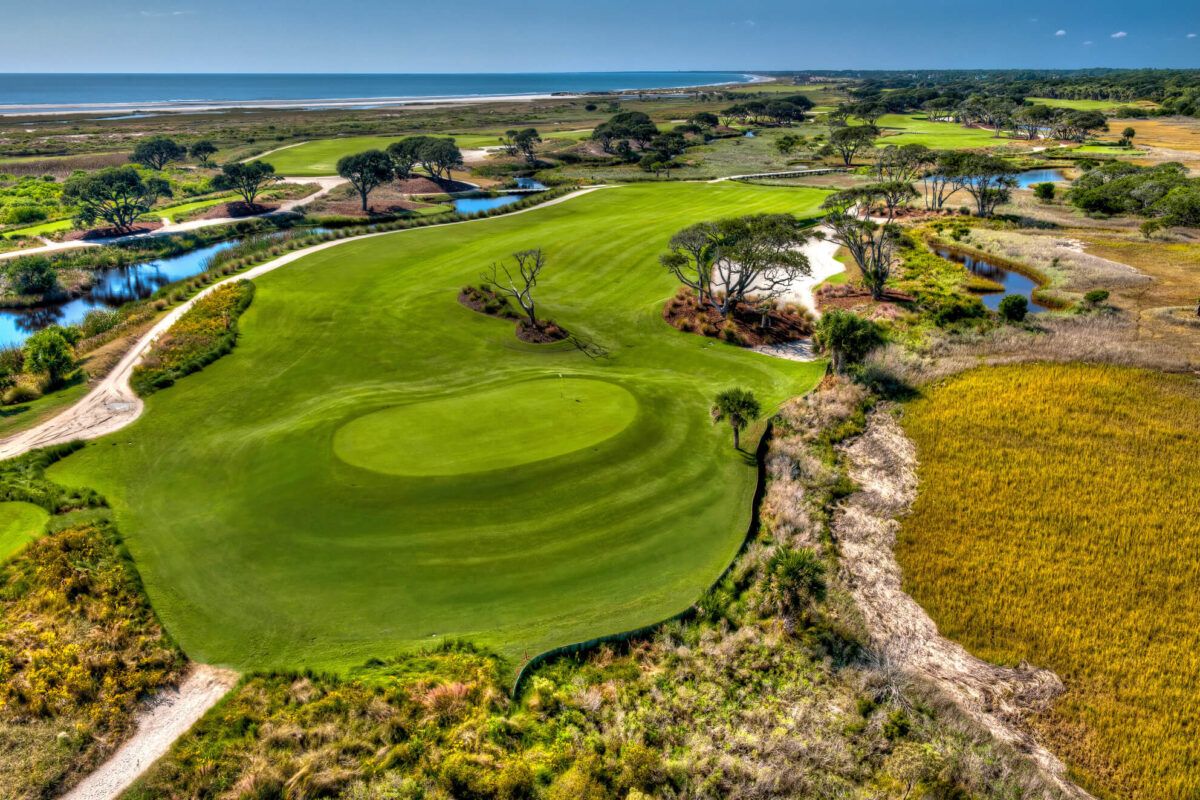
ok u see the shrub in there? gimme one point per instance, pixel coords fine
(24, 215)
(99, 320)
(1095, 297)
(49, 351)
(207, 331)
(32, 275)
(23, 391)
(1044, 191)
(1014, 307)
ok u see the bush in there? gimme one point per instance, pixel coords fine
(50, 351)
(32, 275)
(1095, 297)
(24, 215)
(1044, 191)
(1014, 307)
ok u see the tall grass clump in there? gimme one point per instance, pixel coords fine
(1058, 523)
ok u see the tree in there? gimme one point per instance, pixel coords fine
(756, 255)
(794, 580)
(520, 286)
(942, 177)
(1013, 308)
(849, 140)
(787, 143)
(366, 171)
(32, 275)
(847, 337)
(988, 179)
(872, 245)
(1127, 137)
(49, 351)
(247, 179)
(1032, 121)
(116, 195)
(739, 408)
(203, 151)
(157, 151)
(690, 257)
(1044, 191)
(405, 155)
(631, 125)
(439, 156)
(705, 120)
(522, 142)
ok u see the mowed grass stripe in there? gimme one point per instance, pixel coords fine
(261, 548)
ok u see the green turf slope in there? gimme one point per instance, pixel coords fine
(20, 523)
(283, 507)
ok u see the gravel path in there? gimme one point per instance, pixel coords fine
(160, 722)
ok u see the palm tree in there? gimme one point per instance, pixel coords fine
(847, 337)
(795, 578)
(740, 407)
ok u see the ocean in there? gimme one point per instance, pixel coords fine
(50, 93)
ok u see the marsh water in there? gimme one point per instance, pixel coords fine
(1030, 177)
(1013, 282)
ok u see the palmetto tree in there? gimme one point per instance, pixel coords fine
(739, 407)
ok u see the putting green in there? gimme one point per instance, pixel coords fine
(481, 431)
(20, 523)
(261, 547)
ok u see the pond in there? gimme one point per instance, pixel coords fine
(112, 288)
(1032, 176)
(531, 183)
(1013, 282)
(472, 205)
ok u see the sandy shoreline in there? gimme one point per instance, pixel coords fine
(348, 103)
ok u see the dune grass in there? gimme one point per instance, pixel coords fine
(262, 548)
(20, 523)
(1057, 523)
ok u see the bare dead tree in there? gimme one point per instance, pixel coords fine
(520, 286)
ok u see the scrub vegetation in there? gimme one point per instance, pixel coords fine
(1053, 526)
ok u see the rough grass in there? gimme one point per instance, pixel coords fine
(230, 480)
(79, 646)
(1055, 525)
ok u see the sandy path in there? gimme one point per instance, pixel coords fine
(112, 404)
(161, 721)
(271, 152)
(326, 184)
(883, 461)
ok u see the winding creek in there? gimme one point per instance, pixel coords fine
(1012, 281)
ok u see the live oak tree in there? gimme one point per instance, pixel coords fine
(248, 179)
(729, 260)
(157, 151)
(849, 140)
(942, 177)
(366, 172)
(1031, 121)
(738, 407)
(116, 195)
(521, 142)
(988, 179)
(202, 151)
(871, 244)
(519, 285)
(439, 156)
(405, 156)
(633, 126)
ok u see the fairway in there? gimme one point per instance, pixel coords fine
(20, 523)
(320, 157)
(902, 129)
(377, 468)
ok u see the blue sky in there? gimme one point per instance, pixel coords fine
(567, 35)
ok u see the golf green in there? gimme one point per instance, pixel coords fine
(481, 431)
(376, 468)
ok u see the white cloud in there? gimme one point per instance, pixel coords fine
(1191, 36)
(1089, 41)
(1119, 35)
(166, 13)
(1060, 32)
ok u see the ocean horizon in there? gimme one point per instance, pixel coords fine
(49, 93)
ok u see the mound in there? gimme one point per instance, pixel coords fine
(424, 185)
